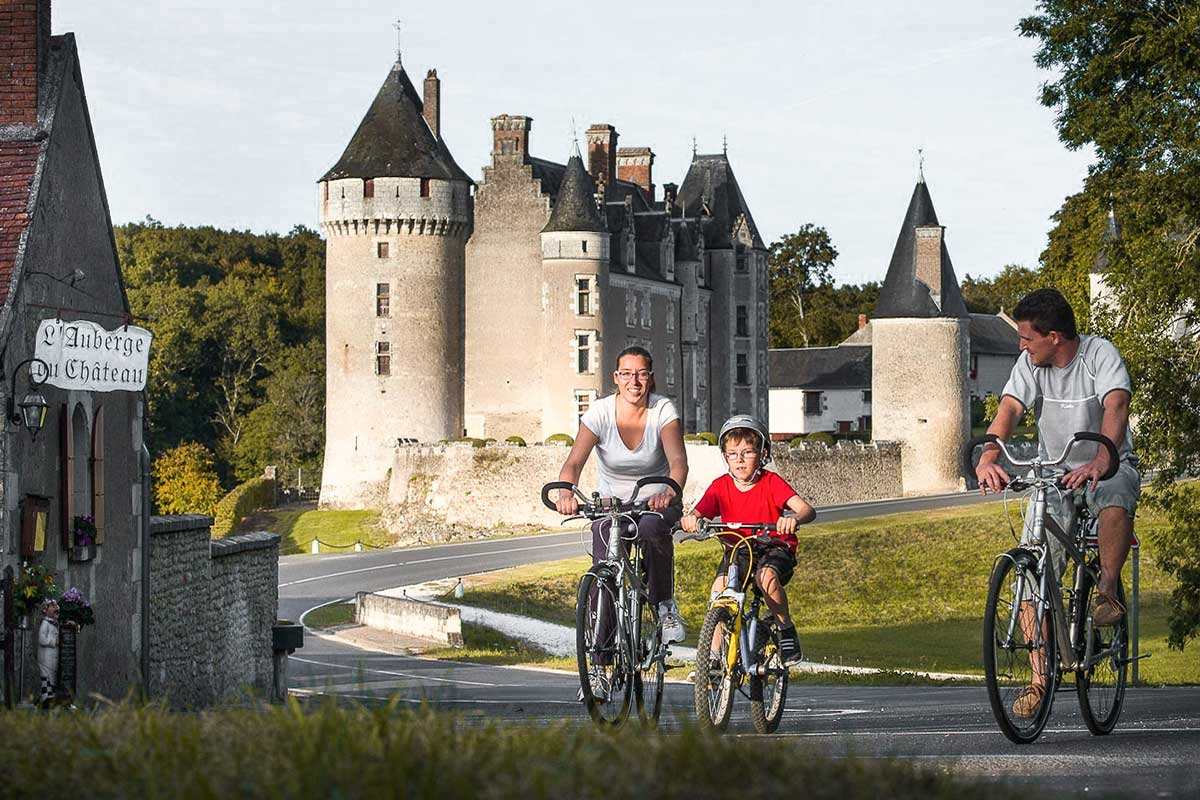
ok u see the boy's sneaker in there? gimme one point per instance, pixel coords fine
(598, 682)
(671, 622)
(789, 646)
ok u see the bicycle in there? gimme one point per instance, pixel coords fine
(736, 645)
(617, 662)
(1030, 617)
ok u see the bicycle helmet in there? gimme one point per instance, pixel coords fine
(747, 422)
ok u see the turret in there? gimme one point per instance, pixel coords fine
(396, 211)
(575, 261)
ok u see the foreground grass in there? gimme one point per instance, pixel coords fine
(896, 592)
(333, 751)
(337, 530)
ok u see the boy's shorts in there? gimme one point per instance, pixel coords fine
(778, 557)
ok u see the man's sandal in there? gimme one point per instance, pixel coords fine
(1028, 702)
(1107, 610)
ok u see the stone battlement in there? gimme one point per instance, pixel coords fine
(394, 207)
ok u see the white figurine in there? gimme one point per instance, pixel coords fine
(47, 655)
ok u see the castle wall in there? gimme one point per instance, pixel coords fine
(502, 484)
(414, 245)
(650, 319)
(504, 304)
(919, 397)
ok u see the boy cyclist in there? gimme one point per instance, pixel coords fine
(751, 494)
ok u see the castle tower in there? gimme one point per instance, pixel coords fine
(396, 211)
(920, 340)
(1100, 294)
(575, 261)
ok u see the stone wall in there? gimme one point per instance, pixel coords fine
(483, 487)
(212, 605)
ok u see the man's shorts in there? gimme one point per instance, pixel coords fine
(778, 557)
(1121, 490)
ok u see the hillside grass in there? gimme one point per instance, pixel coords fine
(336, 530)
(338, 751)
(895, 592)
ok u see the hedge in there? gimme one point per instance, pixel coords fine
(555, 438)
(252, 495)
(709, 437)
(820, 436)
(517, 440)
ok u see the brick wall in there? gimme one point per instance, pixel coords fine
(212, 605)
(24, 29)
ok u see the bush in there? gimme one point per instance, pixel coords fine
(820, 436)
(709, 437)
(250, 496)
(696, 438)
(977, 411)
(991, 407)
(473, 441)
(796, 440)
(517, 440)
(555, 438)
(185, 480)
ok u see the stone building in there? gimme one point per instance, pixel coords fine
(538, 280)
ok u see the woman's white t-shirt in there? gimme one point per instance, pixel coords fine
(620, 468)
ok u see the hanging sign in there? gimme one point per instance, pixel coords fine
(82, 355)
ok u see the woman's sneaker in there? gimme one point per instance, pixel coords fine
(671, 622)
(598, 683)
(789, 646)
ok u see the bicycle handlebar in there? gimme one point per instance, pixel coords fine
(712, 530)
(1114, 461)
(596, 503)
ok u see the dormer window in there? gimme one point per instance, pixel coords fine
(369, 187)
(424, 187)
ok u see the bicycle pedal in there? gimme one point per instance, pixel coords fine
(1135, 658)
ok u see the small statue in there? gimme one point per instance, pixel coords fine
(47, 655)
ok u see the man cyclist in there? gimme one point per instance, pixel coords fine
(1074, 383)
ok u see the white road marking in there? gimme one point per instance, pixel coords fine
(979, 732)
(394, 674)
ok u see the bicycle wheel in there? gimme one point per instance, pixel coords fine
(768, 692)
(1013, 646)
(605, 675)
(651, 674)
(1101, 687)
(714, 680)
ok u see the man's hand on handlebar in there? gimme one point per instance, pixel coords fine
(660, 501)
(567, 503)
(992, 477)
(1089, 473)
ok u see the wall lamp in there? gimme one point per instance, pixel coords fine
(32, 412)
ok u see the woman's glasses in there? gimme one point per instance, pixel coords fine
(627, 375)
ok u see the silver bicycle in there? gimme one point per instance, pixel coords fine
(618, 636)
(1035, 631)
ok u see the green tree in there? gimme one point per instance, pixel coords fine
(1001, 293)
(1126, 77)
(798, 264)
(185, 480)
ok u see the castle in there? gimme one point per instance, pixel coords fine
(497, 310)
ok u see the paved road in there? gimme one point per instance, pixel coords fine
(1153, 753)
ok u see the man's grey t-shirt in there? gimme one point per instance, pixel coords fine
(1071, 398)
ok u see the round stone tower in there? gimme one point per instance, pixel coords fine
(920, 340)
(575, 259)
(396, 213)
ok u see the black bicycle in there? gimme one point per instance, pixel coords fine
(1036, 630)
(618, 636)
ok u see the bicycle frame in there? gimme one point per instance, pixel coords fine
(623, 569)
(735, 600)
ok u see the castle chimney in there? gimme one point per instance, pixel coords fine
(25, 25)
(928, 254)
(510, 136)
(635, 164)
(862, 321)
(602, 153)
(433, 103)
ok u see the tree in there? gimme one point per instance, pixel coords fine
(1001, 293)
(1126, 78)
(185, 481)
(797, 265)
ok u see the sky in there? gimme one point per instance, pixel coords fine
(226, 113)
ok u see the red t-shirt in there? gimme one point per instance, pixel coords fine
(763, 503)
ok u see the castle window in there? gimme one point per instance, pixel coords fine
(630, 309)
(383, 358)
(743, 370)
(812, 404)
(325, 189)
(670, 365)
(583, 352)
(381, 249)
(741, 260)
(383, 300)
(647, 315)
(743, 322)
(583, 401)
(369, 187)
(866, 395)
(424, 187)
(583, 295)
(671, 317)
(584, 243)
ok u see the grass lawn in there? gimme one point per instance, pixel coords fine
(330, 616)
(337, 530)
(899, 592)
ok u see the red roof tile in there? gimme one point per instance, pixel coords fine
(18, 163)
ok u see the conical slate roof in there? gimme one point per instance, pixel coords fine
(394, 141)
(575, 205)
(902, 295)
(710, 184)
(1112, 232)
